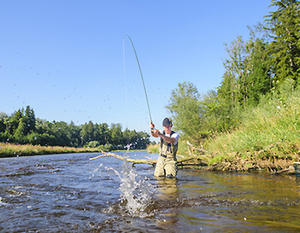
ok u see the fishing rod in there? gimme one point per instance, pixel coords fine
(141, 74)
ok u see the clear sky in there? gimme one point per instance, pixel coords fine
(64, 58)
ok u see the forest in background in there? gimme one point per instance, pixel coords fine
(22, 127)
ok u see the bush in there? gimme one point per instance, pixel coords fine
(108, 147)
(93, 144)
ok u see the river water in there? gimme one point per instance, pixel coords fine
(70, 193)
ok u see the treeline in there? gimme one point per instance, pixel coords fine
(255, 68)
(23, 127)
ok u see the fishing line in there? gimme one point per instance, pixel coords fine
(141, 74)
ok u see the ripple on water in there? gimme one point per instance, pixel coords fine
(71, 194)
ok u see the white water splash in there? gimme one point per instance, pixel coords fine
(135, 190)
(136, 193)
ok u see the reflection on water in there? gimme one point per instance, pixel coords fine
(167, 192)
(167, 188)
(238, 202)
(69, 193)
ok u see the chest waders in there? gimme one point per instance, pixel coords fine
(166, 162)
(168, 150)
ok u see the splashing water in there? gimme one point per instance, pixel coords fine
(136, 193)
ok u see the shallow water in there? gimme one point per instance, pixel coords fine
(69, 193)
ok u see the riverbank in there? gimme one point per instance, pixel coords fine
(267, 136)
(267, 159)
(15, 150)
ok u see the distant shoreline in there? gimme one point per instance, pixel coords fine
(16, 150)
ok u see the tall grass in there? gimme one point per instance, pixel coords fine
(153, 148)
(272, 129)
(13, 150)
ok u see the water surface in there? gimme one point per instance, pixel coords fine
(70, 193)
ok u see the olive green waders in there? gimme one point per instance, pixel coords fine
(167, 162)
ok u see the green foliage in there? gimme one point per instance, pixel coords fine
(116, 134)
(284, 26)
(108, 146)
(247, 71)
(93, 144)
(29, 120)
(3, 116)
(259, 83)
(184, 107)
(270, 129)
(23, 128)
(40, 139)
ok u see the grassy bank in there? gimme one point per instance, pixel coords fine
(269, 132)
(13, 150)
(268, 136)
(153, 148)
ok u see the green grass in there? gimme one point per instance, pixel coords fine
(272, 129)
(153, 148)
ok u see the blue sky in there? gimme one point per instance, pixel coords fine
(64, 58)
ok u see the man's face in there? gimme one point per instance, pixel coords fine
(167, 128)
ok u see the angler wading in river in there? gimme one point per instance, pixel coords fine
(166, 162)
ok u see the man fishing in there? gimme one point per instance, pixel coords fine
(166, 162)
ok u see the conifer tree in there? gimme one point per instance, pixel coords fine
(30, 121)
(284, 27)
(20, 131)
(3, 116)
(12, 122)
(259, 80)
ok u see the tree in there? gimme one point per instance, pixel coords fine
(3, 116)
(116, 134)
(30, 121)
(127, 138)
(12, 122)
(24, 128)
(87, 132)
(246, 78)
(231, 93)
(211, 113)
(284, 27)
(74, 135)
(143, 140)
(258, 78)
(19, 133)
(185, 111)
(104, 133)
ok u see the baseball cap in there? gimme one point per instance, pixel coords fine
(167, 121)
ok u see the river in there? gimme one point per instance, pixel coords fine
(70, 193)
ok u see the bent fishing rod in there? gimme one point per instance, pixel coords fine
(141, 74)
